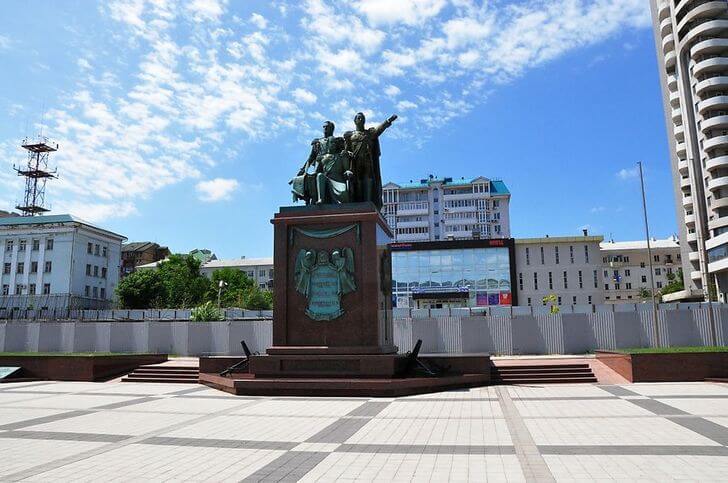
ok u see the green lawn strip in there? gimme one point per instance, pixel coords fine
(672, 350)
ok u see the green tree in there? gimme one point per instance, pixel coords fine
(674, 284)
(183, 283)
(141, 290)
(236, 289)
(552, 299)
(258, 299)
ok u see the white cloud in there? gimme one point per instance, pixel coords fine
(409, 12)
(217, 189)
(404, 105)
(628, 173)
(258, 20)
(392, 91)
(597, 209)
(5, 42)
(96, 212)
(303, 95)
(206, 10)
(83, 64)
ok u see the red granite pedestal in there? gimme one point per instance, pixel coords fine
(353, 353)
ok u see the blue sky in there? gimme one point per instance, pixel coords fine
(181, 122)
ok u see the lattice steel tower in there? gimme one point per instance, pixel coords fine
(36, 174)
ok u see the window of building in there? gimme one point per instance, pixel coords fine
(606, 286)
(571, 253)
(21, 268)
(48, 267)
(103, 293)
(261, 272)
(551, 281)
(589, 299)
(6, 289)
(543, 260)
(31, 289)
(46, 288)
(573, 300)
(606, 273)
(627, 273)
(556, 254)
(520, 281)
(6, 268)
(87, 291)
(566, 280)
(103, 272)
(19, 289)
(88, 269)
(36, 245)
(581, 280)
(607, 297)
(529, 300)
(558, 301)
(535, 281)
(628, 285)
(89, 248)
(586, 253)
(33, 267)
(619, 297)
(96, 270)
(21, 245)
(528, 258)
(659, 284)
(95, 292)
(9, 246)
(596, 281)
(49, 244)
(642, 264)
(617, 287)
(644, 278)
(658, 271)
(656, 258)
(104, 253)
(270, 273)
(97, 250)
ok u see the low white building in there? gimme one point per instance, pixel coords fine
(260, 270)
(57, 261)
(626, 267)
(567, 267)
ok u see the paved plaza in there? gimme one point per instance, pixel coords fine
(75, 431)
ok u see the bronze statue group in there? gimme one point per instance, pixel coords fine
(343, 169)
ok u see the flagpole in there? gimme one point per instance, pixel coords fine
(649, 255)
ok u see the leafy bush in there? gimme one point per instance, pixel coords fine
(206, 312)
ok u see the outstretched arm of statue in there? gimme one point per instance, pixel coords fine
(380, 129)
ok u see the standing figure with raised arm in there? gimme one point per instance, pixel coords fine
(363, 144)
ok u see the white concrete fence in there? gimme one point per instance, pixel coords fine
(499, 332)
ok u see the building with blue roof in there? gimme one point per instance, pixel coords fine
(436, 208)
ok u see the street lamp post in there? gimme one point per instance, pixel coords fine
(220, 286)
(649, 255)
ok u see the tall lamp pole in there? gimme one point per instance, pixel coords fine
(649, 255)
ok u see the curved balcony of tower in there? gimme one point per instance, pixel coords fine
(668, 43)
(717, 183)
(714, 120)
(715, 142)
(682, 167)
(685, 183)
(687, 202)
(708, 47)
(694, 258)
(690, 220)
(717, 162)
(711, 85)
(677, 116)
(681, 150)
(690, 12)
(701, 28)
(717, 102)
(719, 222)
(665, 26)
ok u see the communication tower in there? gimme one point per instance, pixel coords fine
(36, 174)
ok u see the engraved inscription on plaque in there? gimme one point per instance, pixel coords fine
(323, 277)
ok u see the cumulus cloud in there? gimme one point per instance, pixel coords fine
(628, 173)
(409, 12)
(302, 95)
(217, 189)
(259, 21)
(5, 42)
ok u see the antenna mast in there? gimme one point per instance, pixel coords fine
(36, 174)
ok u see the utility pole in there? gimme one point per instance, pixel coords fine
(649, 255)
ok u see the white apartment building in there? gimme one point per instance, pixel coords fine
(260, 270)
(691, 39)
(568, 267)
(447, 209)
(627, 267)
(57, 261)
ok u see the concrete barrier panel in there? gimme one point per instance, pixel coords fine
(427, 330)
(199, 338)
(578, 333)
(121, 336)
(628, 330)
(219, 338)
(180, 338)
(160, 338)
(475, 335)
(527, 336)
(17, 337)
(102, 339)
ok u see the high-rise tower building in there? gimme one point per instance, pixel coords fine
(691, 37)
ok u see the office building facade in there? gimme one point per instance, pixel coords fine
(691, 39)
(626, 268)
(57, 261)
(260, 270)
(438, 209)
(568, 268)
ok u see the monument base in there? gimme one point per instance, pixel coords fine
(344, 376)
